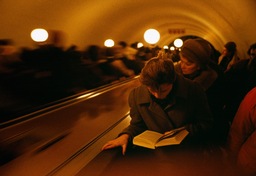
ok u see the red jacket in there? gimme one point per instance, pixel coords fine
(242, 135)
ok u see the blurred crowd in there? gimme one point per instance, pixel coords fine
(34, 77)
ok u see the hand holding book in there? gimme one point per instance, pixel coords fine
(171, 133)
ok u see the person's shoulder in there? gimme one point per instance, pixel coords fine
(186, 85)
(208, 74)
(251, 95)
(241, 64)
(140, 94)
(182, 81)
(248, 105)
(139, 88)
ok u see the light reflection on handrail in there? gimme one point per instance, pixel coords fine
(89, 95)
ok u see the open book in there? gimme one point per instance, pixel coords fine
(151, 139)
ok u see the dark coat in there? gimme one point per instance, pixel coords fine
(187, 107)
(239, 80)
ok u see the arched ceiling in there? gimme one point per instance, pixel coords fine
(88, 22)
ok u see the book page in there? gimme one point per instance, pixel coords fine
(147, 139)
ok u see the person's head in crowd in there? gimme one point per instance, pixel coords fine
(229, 49)
(195, 56)
(252, 51)
(158, 75)
(123, 44)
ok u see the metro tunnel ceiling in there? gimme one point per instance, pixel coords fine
(86, 22)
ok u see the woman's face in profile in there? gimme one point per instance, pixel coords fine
(188, 67)
(162, 92)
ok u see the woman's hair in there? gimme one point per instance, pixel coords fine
(158, 70)
(253, 46)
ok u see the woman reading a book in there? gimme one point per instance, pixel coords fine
(164, 101)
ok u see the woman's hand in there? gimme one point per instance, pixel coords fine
(120, 141)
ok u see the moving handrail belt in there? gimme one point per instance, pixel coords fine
(63, 130)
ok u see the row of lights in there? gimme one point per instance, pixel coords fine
(151, 36)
